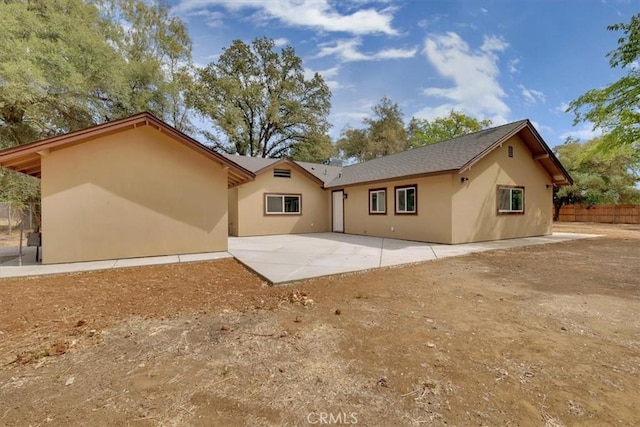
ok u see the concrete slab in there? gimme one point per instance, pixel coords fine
(9, 265)
(291, 257)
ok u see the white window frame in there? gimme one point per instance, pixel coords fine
(405, 189)
(511, 190)
(283, 205)
(381, 208)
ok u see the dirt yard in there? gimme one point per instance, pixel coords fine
(546, 335)
(9, 239)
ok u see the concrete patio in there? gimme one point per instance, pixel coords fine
(290, 257)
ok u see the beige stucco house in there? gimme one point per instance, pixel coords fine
(285, 197)
(129, 188)
(138, 187)
(493, 184)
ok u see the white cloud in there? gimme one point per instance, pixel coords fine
(212, 19)
(281, 41)
(513, 65)
(531, 96)
(318, 14)
(328, 76)
(476, 89)
(347, 51)
(584, 133)
(562, 108)
(541, 128)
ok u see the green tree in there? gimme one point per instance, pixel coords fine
(383, 134)
(616, 108)
(386, 129)
(354, 143)
(607, 178)
(313, 149)
(52, 77)
(424, 132)
(259, 101)
(68, 64)
(157, 69)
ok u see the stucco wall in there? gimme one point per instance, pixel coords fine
(431, 224)
(131, 194)
(233, 211)
(475, 216)
(252, 220)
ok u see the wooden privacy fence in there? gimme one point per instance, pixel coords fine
(613, 214)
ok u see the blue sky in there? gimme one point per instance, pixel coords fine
(501, 60)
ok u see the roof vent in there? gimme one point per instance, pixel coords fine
(282, 173)
(332, 162)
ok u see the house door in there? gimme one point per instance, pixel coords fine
(338, 211)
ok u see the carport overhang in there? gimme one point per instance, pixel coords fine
(27, 158)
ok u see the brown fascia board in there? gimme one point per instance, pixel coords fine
(526, 124)
(141, 119)
(74, 137)
(492, 147)
(395, 178)
(184, 138)
(292, 163)
(552, 156)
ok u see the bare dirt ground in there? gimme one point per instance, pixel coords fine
(9, 239)
(545, 335)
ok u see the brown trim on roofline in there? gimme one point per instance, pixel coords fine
(294, 165)
(527, 124)
(111, 127)
(490, 148)
(398, 178)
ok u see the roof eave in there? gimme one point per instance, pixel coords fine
(395, 178)
(567, 180)
(26, 158)
(293, 164)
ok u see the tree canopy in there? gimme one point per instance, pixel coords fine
(69, 64)
(424, 132)
(259, 101)
(607, 178)
(385, 133)
(616, 108)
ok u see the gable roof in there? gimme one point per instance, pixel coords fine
(320, 173)
(326, 173)
(26, 158)
(453, 155)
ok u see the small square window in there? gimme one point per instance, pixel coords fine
(378, 201)
(406, 200)
(510, 200)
